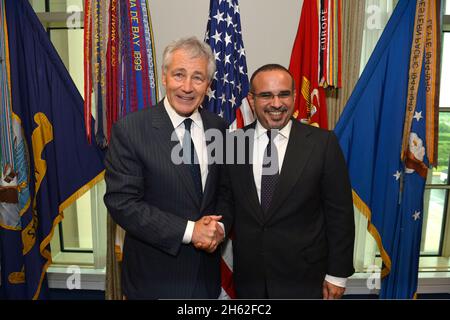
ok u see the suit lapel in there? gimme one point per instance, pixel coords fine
(164, 129)
(297, 154)
(249, 188)
(245, 171)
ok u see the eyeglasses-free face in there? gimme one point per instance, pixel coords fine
(186, 82)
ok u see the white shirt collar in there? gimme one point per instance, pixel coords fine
(284, 132)
(177, 120)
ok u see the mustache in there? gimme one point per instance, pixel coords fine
(275, 109)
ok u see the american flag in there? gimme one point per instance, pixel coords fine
(227, 95)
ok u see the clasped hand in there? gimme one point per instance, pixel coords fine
(208, 233)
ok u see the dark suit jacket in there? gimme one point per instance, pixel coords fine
(308, 231)
(152, 199)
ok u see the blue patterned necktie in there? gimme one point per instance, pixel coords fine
(270, 175)
(190, 157)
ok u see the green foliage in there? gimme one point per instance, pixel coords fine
(444, 141)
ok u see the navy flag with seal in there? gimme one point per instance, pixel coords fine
(46, 160)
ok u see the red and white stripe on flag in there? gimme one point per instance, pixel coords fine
(228, 93)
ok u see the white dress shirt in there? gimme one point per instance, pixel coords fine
(259, 146)
(199, 139)
(197, 136)
(281, 141)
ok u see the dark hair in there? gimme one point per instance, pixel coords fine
(271, 67)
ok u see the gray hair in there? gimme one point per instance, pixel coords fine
(195, 49)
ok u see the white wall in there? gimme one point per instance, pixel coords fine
(269, 27)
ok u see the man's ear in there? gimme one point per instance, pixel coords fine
(251, 101)
(163, 78)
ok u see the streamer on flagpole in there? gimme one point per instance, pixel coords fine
(120, 63)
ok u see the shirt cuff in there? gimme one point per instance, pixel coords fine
(188, 232)
(340, 282)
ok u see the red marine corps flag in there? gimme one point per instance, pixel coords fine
(315, 59)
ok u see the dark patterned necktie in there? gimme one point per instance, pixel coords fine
(190, 157)
(270, 175)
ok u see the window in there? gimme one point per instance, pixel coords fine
(378, 12)
(436, 227)
(67, 43)
(80, 239)
(435, 234)
(56, 5)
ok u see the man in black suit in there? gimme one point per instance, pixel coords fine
(290, 203)
(166, 207)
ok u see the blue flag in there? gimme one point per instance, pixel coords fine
(387, 135)
(53, 163)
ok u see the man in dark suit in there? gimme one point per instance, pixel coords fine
(166, 207)
(290, 203)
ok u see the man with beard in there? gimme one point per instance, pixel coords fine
(290, 204)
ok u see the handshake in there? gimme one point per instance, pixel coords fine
(208, 233)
